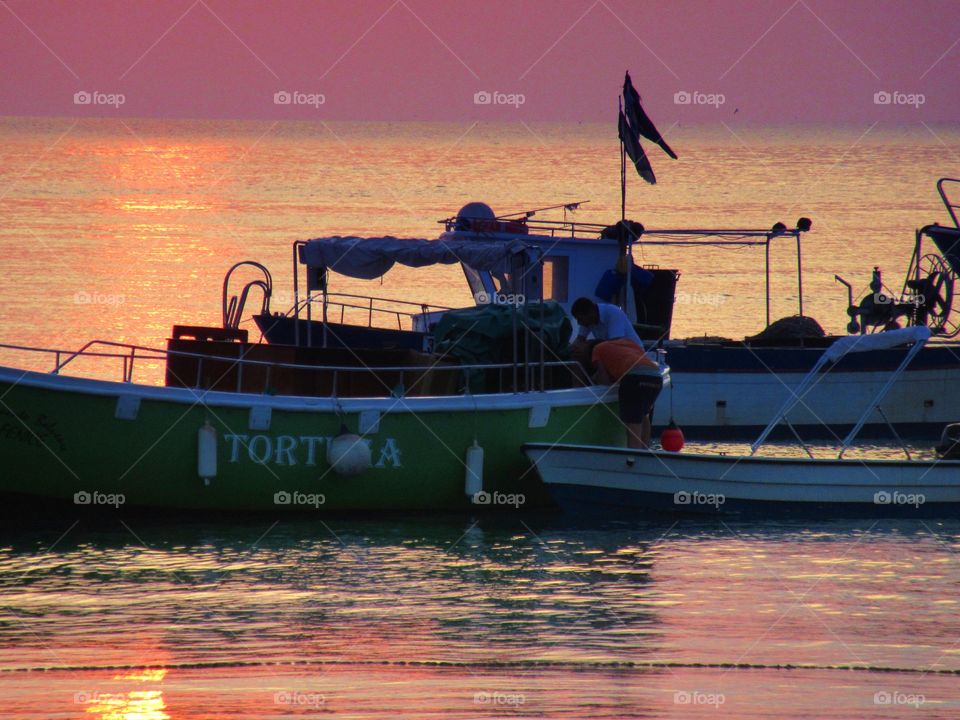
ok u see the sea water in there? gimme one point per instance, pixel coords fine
(119, 229)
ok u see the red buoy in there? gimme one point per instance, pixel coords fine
(671, 439)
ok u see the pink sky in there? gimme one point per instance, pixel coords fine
(771, 61)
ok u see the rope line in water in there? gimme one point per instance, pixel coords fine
(488, 665)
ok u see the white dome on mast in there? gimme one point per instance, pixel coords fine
(476, 211)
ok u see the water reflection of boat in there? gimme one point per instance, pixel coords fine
(619, 480)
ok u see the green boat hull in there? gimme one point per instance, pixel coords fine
(97, 443)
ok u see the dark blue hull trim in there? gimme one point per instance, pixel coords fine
(737, 357)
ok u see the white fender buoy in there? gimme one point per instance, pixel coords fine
(473, 483)
(207, 452)
(349, 454)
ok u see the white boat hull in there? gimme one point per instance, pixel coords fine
(922, 399)
(601, 478)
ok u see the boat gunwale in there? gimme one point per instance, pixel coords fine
(714, 458)
(565, 397)
(162, 354)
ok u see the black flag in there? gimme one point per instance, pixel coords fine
(631, 144)
(638, 120)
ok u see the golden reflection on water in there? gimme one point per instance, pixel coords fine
(131, 704)
(149, 204)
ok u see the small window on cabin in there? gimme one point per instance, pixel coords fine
(556, 272)
(473, 279)
(502, 283)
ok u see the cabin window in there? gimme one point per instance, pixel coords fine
(556, 273)
(475, 280)
(483, 283)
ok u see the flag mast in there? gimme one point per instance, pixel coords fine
(623, 170)
(633, 123)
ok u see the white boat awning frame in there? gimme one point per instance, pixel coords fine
(918, 335)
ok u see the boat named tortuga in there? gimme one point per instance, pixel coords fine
(307, 450)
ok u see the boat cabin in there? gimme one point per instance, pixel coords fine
(505, 260)
(574, 260)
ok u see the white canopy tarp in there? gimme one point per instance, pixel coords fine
(876, 341)
(369, 258)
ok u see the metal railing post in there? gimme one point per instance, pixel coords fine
(296, 299)
(543, 345)
(133, 359)
(513, 312)
(767, 252)
(799, 275)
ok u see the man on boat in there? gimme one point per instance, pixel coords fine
(619, 357)
(623, 361)
(603, 321)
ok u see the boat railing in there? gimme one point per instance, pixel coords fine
(678, 237)
(368, 304)
(952, 207)
(521, 377)
(552, 228)
(233, 305)
(59, 353)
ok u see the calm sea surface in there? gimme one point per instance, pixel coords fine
(118, 229)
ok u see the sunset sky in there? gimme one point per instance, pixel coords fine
(752, 61)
